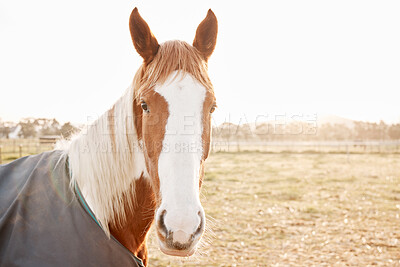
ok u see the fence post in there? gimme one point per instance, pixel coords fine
(20, 150)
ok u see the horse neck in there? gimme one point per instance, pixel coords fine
(107, 162)
(139, 218)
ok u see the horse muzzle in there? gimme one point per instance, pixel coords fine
(179, 233)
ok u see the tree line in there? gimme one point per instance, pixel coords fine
(294, 131)
(303, 131)
(36, 127)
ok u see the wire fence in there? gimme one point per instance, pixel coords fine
(308, 147)
(11, 149)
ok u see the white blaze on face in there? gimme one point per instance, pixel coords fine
(179, 160)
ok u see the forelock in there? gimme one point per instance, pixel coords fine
(171, 56)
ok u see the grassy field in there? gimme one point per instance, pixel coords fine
(298, 210)
(11, 149)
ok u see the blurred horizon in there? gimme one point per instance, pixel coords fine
(263, 118)
(283, 128)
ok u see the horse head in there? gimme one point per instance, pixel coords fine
(174, 99)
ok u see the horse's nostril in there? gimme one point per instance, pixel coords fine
(161, 224)
(201, 224)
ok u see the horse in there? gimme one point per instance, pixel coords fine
(140, 163)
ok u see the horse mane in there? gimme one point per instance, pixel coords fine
(106, 158)
(171, 56)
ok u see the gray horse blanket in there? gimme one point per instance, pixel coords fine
(45, 223)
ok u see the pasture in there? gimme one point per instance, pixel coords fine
(311, 209)
(294, 209)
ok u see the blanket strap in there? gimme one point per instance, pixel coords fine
(84, 204)
(89, 211)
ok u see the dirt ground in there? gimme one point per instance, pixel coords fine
(298, 210)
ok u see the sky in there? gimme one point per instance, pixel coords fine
(72, 60)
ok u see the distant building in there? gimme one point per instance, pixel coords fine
(14, 132)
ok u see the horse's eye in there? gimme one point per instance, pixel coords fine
(213, 108)
(144, 106)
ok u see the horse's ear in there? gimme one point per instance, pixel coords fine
(143, 39)
(206, 35)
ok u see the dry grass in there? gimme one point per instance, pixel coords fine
(11, 149)
(298, 210)
(283, 209)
